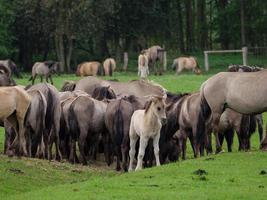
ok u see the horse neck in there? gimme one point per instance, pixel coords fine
(150, 117)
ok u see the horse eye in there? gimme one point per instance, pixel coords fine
(159, 108)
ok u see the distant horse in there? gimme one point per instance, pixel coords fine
(93, 68)
(146, 124)
(35, 124)
(188, 63)
(46, 69)
(143, 70)
(243, 68)
(244, 125)
(137, 88)
(11, 67)
(243, 92)
(14, 107)
(52, 118)
(109, 66)
(117, 120)
(154, 54)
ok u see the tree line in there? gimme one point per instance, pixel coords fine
(72, 31)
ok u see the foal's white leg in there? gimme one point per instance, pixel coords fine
(133, 140)
(156, 148)
(141, 153)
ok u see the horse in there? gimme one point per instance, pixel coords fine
(146, 124)
(109, 66)
(5, 80)
(143, 70)
(11, 67)
(188, 63)
(35, 124)
(243, 68)
(137, 88)
(47, 69)
(102, 93)
(93, 68)
(154, 53)
(117, 120)
(242, 92)
(244, 125)
(14, 108)
(52, 118)
(85, 122)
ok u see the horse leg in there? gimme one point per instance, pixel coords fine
(156, 148)
(124, 150)
(50, 77)
(81, 143)
(229, 139)
(141, 153)
(260, 128)
(182, 142)
(41, 78)
(22, 138)
(119, 155)
(133, 140)
(33, 78)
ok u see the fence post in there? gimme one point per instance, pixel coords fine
(245, 55)
(125, 61)
(165, 60)
(206, 61)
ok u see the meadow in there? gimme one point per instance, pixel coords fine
(236, 175)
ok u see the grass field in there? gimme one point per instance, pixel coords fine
(237, 175)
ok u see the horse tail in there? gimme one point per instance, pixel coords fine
(49, 117)
(68, 86)
(110, 68)
(203, 115)
(118, 126)
(252, 124)
(27, 115)
(73, 123)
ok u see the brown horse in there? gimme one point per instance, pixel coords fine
(93, 68)
(52, 117)
(14, 107)
(154, 54)
(243, 92)
(137, 88)
(46, 69)
(109, 66)
(188, 63)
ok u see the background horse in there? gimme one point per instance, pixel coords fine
(12, 67)
(143, 70)
(137, 88)
(44, 69)
(93, 68)
(154, 54)
(109, 66)
(188, 63)
(14, 106)
(243, 68)
(146, 124)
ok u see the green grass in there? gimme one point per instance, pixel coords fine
(229, 175)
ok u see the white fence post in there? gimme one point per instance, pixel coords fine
(245, 55)
(206, 61)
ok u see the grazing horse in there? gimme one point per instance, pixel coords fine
(146, 124)
(117, 120)
(243, 92)
(14, 107)
(143, 70)
(244, 125)
(11, 67)
(35, 124)
(154, 54)
(188, 63)
(137, 88)
(109, 66)
(93, 68)
(52, 118)
(46, 69)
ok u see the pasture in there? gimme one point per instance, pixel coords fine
(237, 175)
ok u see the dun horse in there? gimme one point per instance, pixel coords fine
(14, 108)
(109, 66)
(44, 69)
(143, 70)
(188, 63)
(89, 69)
(146, 124)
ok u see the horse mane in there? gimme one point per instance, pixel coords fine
(130, 99)
(101, 93)
(175, 97)
(147, 105)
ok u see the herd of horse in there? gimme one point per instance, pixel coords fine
(127, 120)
